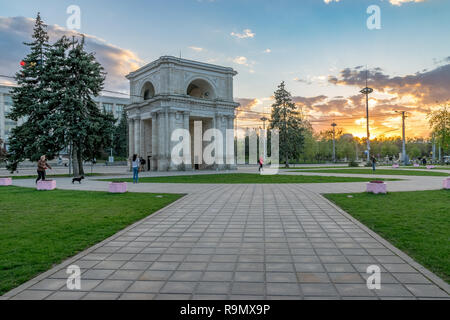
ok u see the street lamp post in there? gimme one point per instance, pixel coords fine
(403, 113)
(367, 91)
(264, 119)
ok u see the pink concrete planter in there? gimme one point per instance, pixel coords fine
(395, 166)
(46, 185)
(430, 167)
(117, 187)
(447, 183)
(376, 187)
(5, 181)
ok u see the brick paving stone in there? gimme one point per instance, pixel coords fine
(146, 286)
(213, 288)
(101, 296)
(66, 295)
(252, 276)
(113, 285)
(178, 287)
(137, 296)
(241, 288)
(318, 289)
(126, 275)
(287, 289)
(186, 276)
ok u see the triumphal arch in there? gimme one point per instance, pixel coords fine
(172, 93)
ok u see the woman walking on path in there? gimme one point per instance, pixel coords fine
(374, 161)
(135, 164)
(260, 162)
(42, 166)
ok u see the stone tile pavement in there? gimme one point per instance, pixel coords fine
(240, 242)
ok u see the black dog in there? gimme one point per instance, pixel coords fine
(77, 179)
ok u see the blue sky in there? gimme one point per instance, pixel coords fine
(309, 40)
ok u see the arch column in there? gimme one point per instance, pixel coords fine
(155, 140)
(230, 143)
(130, 137)
(170, 145)
(163, 123)
(186, 116)
(142, 138)
(137, 137)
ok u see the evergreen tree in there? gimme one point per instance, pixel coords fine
(84, 127)
(287, 120)
(55, 99)
(2, 151)
(34, 137)
(120, 140)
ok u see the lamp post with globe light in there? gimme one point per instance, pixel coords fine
(264, 119)
(367, 91)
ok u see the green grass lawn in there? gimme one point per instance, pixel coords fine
(424, 167)
(399, 172)
(416, 222)
(244, 178)
(39, 229)
(312, 167)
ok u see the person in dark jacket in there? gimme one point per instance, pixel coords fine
(42, 166)
(374, 161)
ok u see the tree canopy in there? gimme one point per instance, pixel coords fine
(57, 84)
(287, 119)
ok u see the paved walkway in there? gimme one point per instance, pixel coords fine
(241, 242)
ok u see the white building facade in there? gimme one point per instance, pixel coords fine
(111, 104)
(173, 93)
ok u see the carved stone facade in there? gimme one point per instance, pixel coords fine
(171, 93)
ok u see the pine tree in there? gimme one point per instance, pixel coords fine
(2, 151)
(287, 120)
(33, 138)
(55, 100)
(86, 127)
(121, 136)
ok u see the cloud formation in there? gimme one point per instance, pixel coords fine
(400, 2)
(416, 93)
(241, 60)
(425, 87)
(393, 2)
(196, 49)
(247, 33)
(117, 61)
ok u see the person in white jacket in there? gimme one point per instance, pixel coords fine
(135, 163)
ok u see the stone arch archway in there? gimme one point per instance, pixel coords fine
(200, 88)
(147, 91)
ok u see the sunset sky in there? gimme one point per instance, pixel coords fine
(320, 48)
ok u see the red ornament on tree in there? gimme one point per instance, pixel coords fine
(22, 63)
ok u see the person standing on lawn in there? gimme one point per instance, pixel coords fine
(135, 163)
(374, 161)
(42, 166)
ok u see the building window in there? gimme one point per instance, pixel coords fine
(107, 108)
(8, 104)
(119, 110)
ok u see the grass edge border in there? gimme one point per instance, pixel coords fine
(420, 268)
